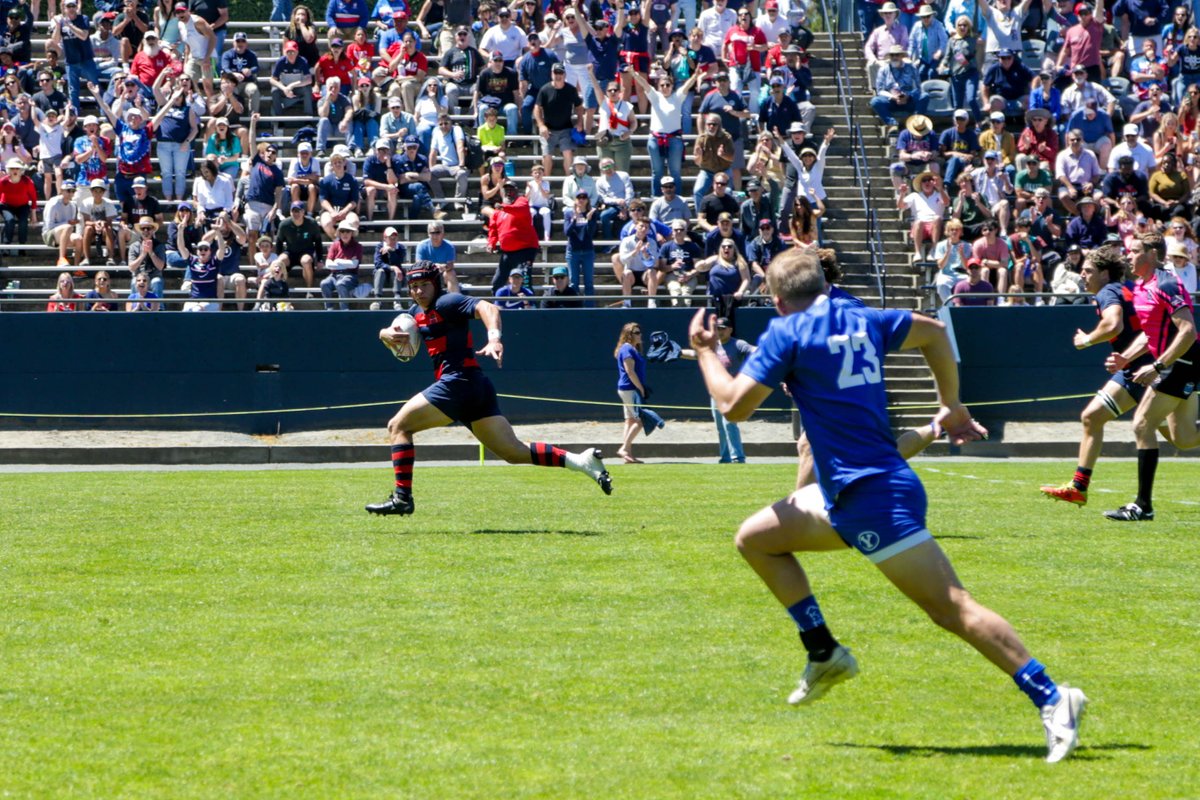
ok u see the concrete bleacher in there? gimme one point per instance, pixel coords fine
(33, 266)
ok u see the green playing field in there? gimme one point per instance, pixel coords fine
(256, 634)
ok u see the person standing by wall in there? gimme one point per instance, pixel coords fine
(732, 353)
(631, 385)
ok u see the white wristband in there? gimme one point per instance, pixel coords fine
(493, 335)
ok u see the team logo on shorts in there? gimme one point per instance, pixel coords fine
(868, 541)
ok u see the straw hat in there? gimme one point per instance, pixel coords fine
(916, 182)
(918, 125)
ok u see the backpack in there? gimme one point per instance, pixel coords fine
(474, 152)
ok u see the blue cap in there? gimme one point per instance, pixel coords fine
(1004, 53)
(412, 141)
(992, 154)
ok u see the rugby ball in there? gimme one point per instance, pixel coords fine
(405, 323)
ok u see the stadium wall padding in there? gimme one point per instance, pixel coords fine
(69, 364)
(1022, 352)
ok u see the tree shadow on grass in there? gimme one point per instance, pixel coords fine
(523, 531)
(1084, 753)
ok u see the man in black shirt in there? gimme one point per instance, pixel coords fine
(557, 102)
(499, 87)
(49, 97)
(560, 287)
(142, 204)
(460, 68)
(298, 241)
(719, 202)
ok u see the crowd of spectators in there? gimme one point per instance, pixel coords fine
(380, 95)
(1031, 131)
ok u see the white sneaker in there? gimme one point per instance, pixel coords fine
(1061, 721)
(821, 676)
(374, 306)
(588, 462)
(651, 303)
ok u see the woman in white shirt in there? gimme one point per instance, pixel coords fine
(667, 107)
(212, 190)
(430, 106)
(537, 189)
(617, 122)
(927, 204)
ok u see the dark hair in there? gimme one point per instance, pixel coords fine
(829, 264)
(1153, 240)
(1108, 258)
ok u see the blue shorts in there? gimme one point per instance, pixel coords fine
(589, 96)
(464, 397)
(1124, 379)
(882, 515)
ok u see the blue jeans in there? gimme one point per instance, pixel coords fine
(582, 266)
(868, 17)
(887, 109)
(173, 160)
(363, 134)
(510, 112)
(425, 134)
(281, 10)
(75, 72)
(123, 187)
(729, 438)
(527, 105)
(344, 283)
(674, 162)
(421, 201)
(964, 92)
(688, 113)
(325, 129)
(608, 219)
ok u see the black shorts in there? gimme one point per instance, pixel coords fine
(639, 277)
(1181, 377)
(464, 396)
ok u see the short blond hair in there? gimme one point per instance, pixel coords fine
(795, 275)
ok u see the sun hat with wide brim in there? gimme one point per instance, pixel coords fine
(918, 125)
(916, 182)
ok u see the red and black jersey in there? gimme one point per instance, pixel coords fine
(1120, 294)
(446, 329)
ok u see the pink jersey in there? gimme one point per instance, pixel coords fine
(1155, 300)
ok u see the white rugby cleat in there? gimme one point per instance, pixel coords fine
(1061, 721)
(821, 676)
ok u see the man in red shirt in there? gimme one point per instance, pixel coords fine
(511, 234)
(1081, 42)
(744, 49)
(151, 60)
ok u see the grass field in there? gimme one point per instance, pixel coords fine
(255, 634)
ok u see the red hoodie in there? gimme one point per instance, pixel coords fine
(511, 227)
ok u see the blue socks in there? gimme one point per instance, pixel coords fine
(1036, 684)
(814, 634)
(807, 614)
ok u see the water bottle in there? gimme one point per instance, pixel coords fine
(510, 169)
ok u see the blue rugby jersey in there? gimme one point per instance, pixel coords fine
(831, 358)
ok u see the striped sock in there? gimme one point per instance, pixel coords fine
(547, 455)
(1083, 477)
(402, 465)
(1036, 684)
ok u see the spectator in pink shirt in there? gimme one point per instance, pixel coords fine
(1081, 43)
(993, 254)
(891, 32)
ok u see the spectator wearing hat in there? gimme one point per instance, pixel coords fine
(959, 146)
(506, 37)
(147, 256)
(974, 283)
(142, 204)
(712, 153)
(203, 278)
(1132, 145)
(1039, 140)
(380, 174)
(70, 34)
(336, 63)
(1006, 84)
(343, 16)
(516, 290)
(1081, 42)
(897, 89)
(669, 206)
(580, 224)
(614, 134)
(926, 204)
(763, 246)
(533, 72)
(99, 216)
(498, 87)
(242, 63)
(717, 203)
(1087, 229)
(396, 123)
(50, 133)
(18, 33)
(151, 59)
(303, 176)
(638, 261)
(778, 111)
(60, 222)
(448, 159)
(884, 39)
(1045, 225)
(134, 135)
(413, 174)
(1096, 127)
(1031, 176)
(511, 233)
(299, 243)
(1045, 96)
(995, 187)
(996, 137)
(390, 257)
(1076, 170)
(916, 151)
(580, 178)
(460, 66)
(1170, 190)
(678, 257)
(754, 209)
(558, 113)
(290, 78)
(616, 191)
(1081, 90)
(560, 293)
(108, 48)
(342, 261)
(771, 22)
(1179, 264)
(927, 43)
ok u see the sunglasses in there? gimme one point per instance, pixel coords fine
(720, 183)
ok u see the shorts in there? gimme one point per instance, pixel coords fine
(464, 397)
(560, 139)
(882, 515)
(639, 277)
(628, 402)
(294, 259)
(50, 237)
(46, 166)
(1181, 377)
(1124, 379)
(228, 280)
(927, 229)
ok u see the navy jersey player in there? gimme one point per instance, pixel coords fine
(829, 353)
(1164, 311)
(461, 392)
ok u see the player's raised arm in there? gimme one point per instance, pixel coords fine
(490, 314)
(929, 336)
(738, 396)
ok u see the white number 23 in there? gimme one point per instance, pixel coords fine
(848, 378)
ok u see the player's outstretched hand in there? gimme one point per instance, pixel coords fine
(702, 331)
(956, 421)
(495, 349)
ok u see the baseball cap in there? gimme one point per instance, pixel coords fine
(1079, 68)
(181, 6)
(304, 147)
(412, 141)
(992, 154)
(400, 13)
(796, 127)
(753, 184)
(961, 113)
(765, 223)
(776, 81)
(504, 11)
(139, 182)
(516, 271)
(1131, 130)
(582, 193)
(98, 183)
(725, 216)
(240, 36)
(974, 262)
(497, 55)
(1004, 52)
(996, 116)
(722, 76)
(385, 144)
(559, 271)
(1087, 199)
(462, 29)
(679, 225)
(395, 102)
(297, 206)
(290, 47)
(15, 163)
(68, 185)
(390, 231)
(558, 67)
(1125, 160)
(337, 42)
(185, 206)
(667, 180)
